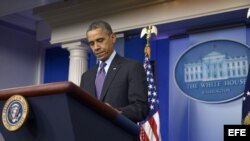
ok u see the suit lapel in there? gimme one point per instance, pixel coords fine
(113, 69)
(92, 81)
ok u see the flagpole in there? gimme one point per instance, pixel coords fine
(150, 127)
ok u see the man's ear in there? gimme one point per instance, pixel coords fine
(113, 36)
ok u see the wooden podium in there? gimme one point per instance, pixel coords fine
(62, 111)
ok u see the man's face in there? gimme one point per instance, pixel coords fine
(101, 43)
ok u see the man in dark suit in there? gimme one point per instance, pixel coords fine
(125, 84)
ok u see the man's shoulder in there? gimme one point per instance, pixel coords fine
(91, 71)
(132, 62)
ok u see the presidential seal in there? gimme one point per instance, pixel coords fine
(15, 112)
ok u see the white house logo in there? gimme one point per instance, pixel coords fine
(213, 71)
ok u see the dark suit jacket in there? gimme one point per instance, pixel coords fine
(125, 87)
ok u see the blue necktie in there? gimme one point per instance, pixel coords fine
(100, 77)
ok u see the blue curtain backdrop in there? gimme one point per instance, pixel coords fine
(134, 48)
(161, 56)
(91, 60)
(56, 65)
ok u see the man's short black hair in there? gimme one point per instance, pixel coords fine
(100, 24)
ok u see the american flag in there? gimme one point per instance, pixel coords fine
(150, 128)
(246, 102)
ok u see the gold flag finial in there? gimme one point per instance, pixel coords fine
(246, 120)
(148, 30)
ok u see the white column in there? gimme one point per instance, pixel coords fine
(78, 61)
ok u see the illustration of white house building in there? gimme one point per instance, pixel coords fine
(216, 66)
